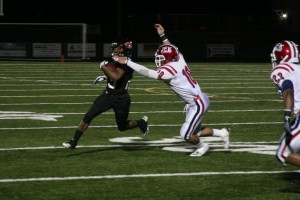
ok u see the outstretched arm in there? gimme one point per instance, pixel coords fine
(161, 32)
(137, 67)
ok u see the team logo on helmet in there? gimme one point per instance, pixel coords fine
(285, 51)
(166, 53)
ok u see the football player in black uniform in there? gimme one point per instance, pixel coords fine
(114, 96)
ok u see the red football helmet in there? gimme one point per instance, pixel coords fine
(285, 51)
(166, 53)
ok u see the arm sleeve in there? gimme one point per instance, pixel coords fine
(142, 70)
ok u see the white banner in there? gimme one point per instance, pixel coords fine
(75, 50)
(220, 50)
(144, 50)
(107, 50)
(12, 50)
(147, 50)
(46, 49)
(1, 8)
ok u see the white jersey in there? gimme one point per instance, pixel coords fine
(178, 76)
(288, 71)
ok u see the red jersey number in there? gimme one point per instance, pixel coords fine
(278, 77)
(187, 73)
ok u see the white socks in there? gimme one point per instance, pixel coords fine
(217, 132)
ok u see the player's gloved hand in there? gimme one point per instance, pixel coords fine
(287, 126)
(103, 63)
(99, 79)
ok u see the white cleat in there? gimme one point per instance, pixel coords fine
(200, 151)
(225, 137)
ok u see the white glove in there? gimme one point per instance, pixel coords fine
(103, 63)
(99, 79)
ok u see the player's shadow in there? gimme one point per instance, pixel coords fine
(292, 182)
(75, 152)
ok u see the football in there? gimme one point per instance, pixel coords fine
(111, 66)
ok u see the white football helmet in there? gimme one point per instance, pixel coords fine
(285, 51)
(166, 53)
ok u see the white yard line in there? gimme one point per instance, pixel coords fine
(154, 125)
(143, 176)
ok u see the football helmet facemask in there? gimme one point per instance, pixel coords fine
(122, 48)
(166, 53)
(285, 51)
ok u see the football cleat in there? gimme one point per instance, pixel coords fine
(70, 145)
(144, 125)
(225, 137)
(200, 151)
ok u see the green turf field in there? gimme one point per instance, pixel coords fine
(41, 104)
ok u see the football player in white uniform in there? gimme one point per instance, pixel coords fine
(174, 71)
(286, 75)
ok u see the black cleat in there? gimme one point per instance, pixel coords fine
(144, 125)
(70, 145)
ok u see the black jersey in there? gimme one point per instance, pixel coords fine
(120, 86)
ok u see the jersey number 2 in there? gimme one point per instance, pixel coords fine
(278, 79)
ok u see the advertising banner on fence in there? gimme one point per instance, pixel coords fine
(107, 50)
(12, 49)
(220, 50)
(144, 50)
(75, 50)
(147, 50)
(50, 50)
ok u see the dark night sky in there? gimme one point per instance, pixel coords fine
(95, 11)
